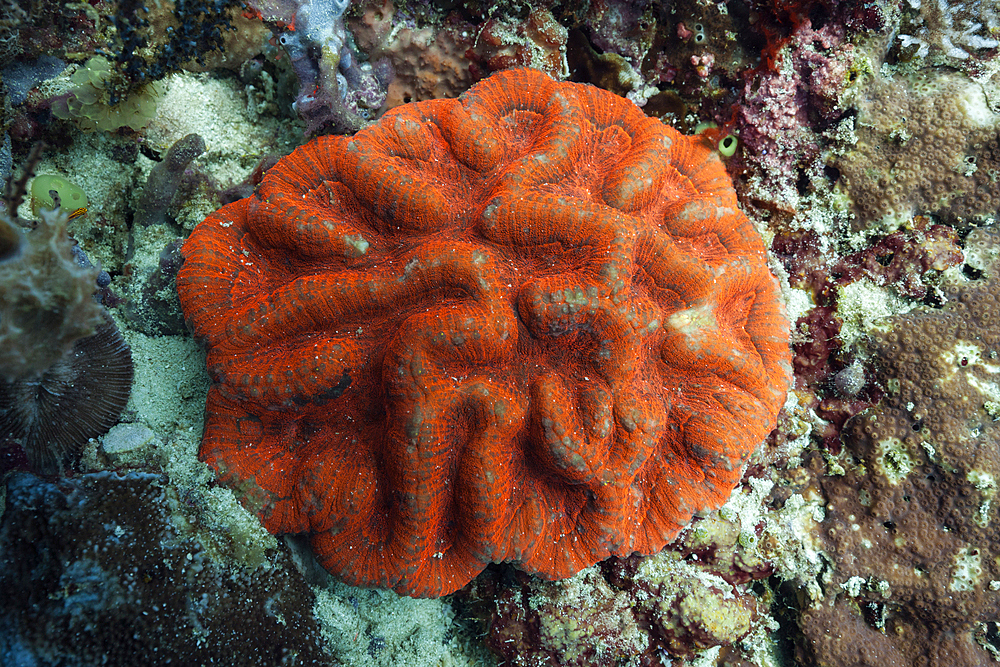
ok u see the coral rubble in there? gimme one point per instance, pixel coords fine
(693, 596)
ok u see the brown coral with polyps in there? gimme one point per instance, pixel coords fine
(529, 324)
(912, 525)
(927, 145)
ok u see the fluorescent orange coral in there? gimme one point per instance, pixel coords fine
(529, 324)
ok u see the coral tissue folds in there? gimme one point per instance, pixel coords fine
(528, 324)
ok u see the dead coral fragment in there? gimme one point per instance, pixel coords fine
(949, 31)
(577, 622)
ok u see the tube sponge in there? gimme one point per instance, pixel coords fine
(727, 145)
(72, 198)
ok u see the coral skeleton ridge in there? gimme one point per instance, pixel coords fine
(529, 324)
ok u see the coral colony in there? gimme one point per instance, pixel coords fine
(386, 332)
(607, 347)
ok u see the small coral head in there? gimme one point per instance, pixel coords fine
(529, 324)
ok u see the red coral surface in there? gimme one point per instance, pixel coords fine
(529, 324)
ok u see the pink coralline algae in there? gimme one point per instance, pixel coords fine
(778, 107)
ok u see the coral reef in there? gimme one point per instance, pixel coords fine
(776, 117)
(862, 145)
(127, 45)
(690, 597)
(577, 621)
(851, 291)
(107, 569)
(539, 258)
(151, 42)
(907, 262)
(43, 28)
(538, 41)
(911, 523)
(626, 30)
(65, 370)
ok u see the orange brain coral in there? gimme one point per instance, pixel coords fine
(528, 324)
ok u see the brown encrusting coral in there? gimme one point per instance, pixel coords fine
(912, 523)
(926, 144)
(527, 325)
